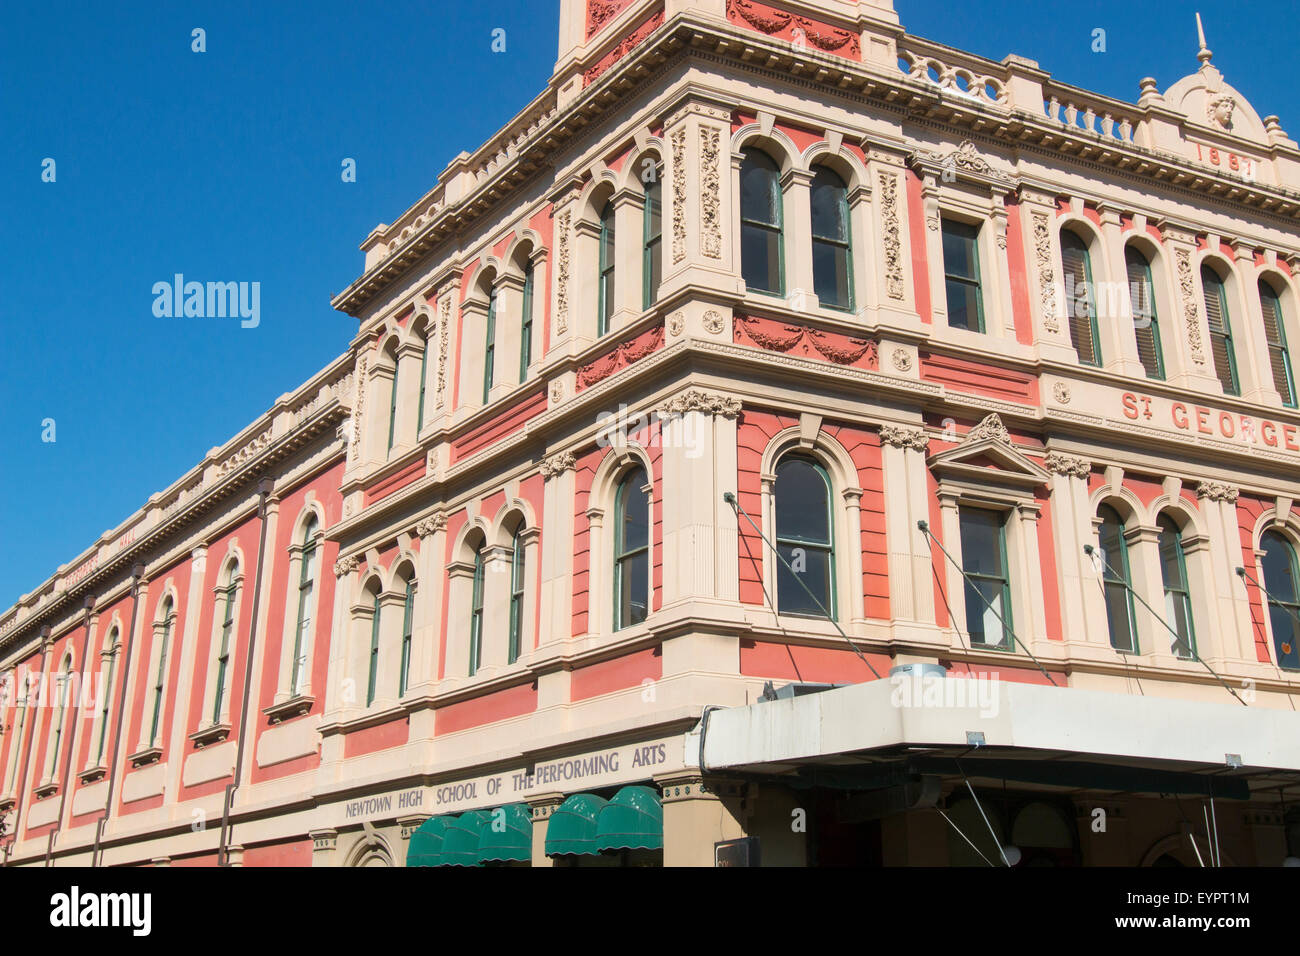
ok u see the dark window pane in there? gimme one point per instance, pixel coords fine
(810, 565)
(634, 587)
(963, 305)
(636, 518)
(981, 620)
(831, 275)
(802, 512)
(981, 542)
(1278, 568)
(829, 207)
(760, 251)
(959, 256)
(759, 189)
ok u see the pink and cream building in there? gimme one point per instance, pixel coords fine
(478, 580)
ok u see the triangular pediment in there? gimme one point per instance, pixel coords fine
(988, 455)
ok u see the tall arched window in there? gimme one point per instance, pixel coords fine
(224, 640)
(1178, 601)
(831, 241)
(1079, 300)
(652, 262)
(476, 613)
(1146, 324)
(761, 253)
(526, 325)
(804, 539)
(1279, 358)
(1116, 580)
(372, 676)
(110, 658)
(408, 614)
(605, 303)
(490, 347)
(306, 591)
(392, 407)
(160, 679)
(62, 682)
(516, 595)
(1280, 577)
(1216, 310)
(424, 367)
(22, 702)
(632, 549)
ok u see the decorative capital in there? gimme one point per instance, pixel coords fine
(433, 523)
(1216, 491)
(991, 428)
(694, 400)
(556, 465)
(901, 437)
(1059, 464)
(345, 566)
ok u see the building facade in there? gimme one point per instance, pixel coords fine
(768, 351)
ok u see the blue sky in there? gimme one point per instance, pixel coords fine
(225, 166)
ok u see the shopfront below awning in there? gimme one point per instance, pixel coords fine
(877, 734)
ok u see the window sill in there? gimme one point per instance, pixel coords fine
(293, 707)
(147, 756)
(7, 804)
(46, 790)
(91, 774)
(209, 735)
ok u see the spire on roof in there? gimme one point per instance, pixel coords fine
(1204, 55)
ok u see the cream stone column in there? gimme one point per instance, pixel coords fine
(796, 189)
(510, 310)
(529, 541)
(1230, 619)
(698, 814)
(1254, 370)
(891, 298)
(1189, 330)
(1114, 302)
(1047, 302)
(133, 690)
(541, 808)
(262, 625)
(557, 549)
(496, 608)
(699, 452)
(600, 608)
(902, 452)
(176, 751)
(438, 398)
(1071, 529)
(406, 427)
(430, 594)
(1034, 630)
(473, 355)
(1096, 620)
(460, 596)
(392, 610)
(342, 636)
(698, 199)
(1000, 319)
(1147, 580)
(541, 260)
(629, 226)
(853, 521)
(568, 337)
(954, 583)
(83, 718)
(863, 251)
(379, 391)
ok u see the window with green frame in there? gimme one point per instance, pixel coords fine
(1221, 347)
(160, 679)
(652, 268)
(526, 325)
(762, 252)
(1279, 358)
(632, 549)
(988, 582)
(110, 651)
(1116, 579)
(476, 614)
(22, 703)
(832, 241)
(961, 275)
(805, 539)
(408, 613)
(516, 595)
(229, 601)
(424, 367)
(372, 678)
(1146, 323)
(1282, 580)
(1076, 263)
(62, 682)
(490, 347)
(605, 277)
(1178, 598)
(306, 590)
(392, 408)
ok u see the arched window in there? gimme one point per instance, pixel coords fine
(988, 578)
(632, 549)
(490, 347)
(1146, 324)
(1079, 300)
(1216, 310)
(516, 595)
(1178, 601)
(831, 241)
(476, 613)
(802, 500)
(761, 240)
(1116, 580)
(605, 303)
(168, 618)
(22, 703)
(110, 652)
(1279, 358)
(392, 407)
(408, 613)
(372, 677)
(231, 588)
(306, 590)
(62, 682)
(526, 325)
(1280, 577)
(652, 268)
(424, 366)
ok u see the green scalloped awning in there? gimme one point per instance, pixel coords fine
(571, 829)
(425, 848)
(513, 843)
(632, 820)
(460, 841)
